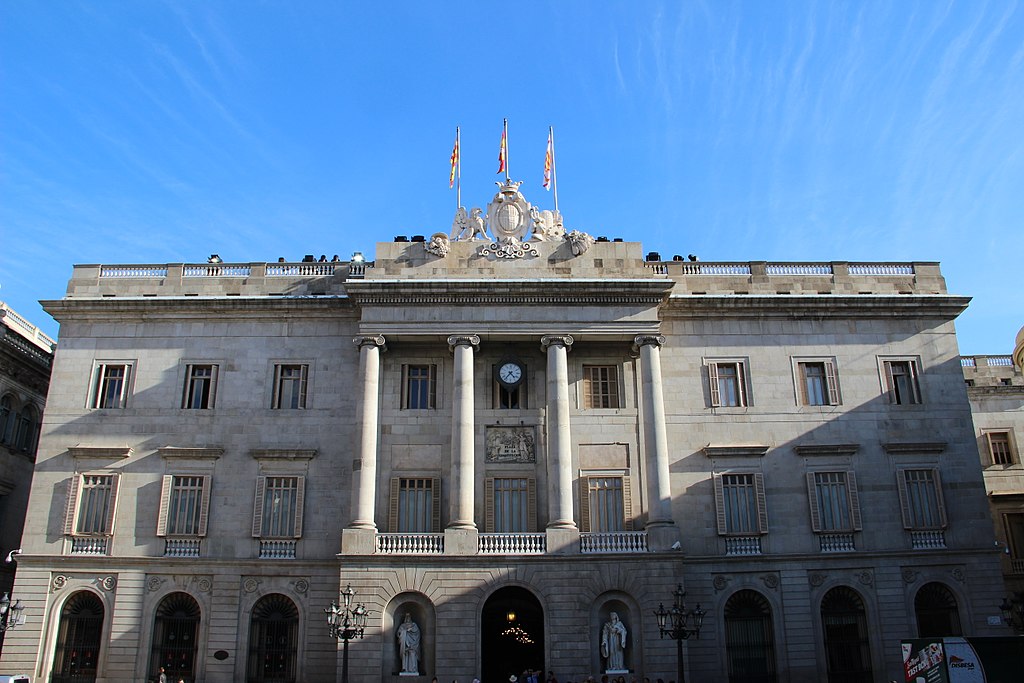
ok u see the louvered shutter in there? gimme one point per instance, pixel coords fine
(627, 503)
(762, 504)
(812, 496)
(938, 498)
(165, 504)
(435, 512)
(300, 498)
(204, 509)
(720, 517)
(901, 486)
(396, 484)
(890, 386)
(489, 505)
(851, 490)
(832, 382)
(585, 505)
(741, 384)
(801, 383)
(531, 504)
(115, 481)
(257, 507)
(716, 394)
(71, 506)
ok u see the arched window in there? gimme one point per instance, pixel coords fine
(845, 627)
(25, 427)
(79, 636)
(7, 415)
(936, 611)
(749, 641)
(273, 641)
(174, 637)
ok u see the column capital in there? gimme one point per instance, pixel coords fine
(648, 340)
(374, 340)
(464, 340)
(563, 340)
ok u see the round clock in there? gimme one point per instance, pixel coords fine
(510, 373)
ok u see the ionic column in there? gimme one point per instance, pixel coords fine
(559, 438)
(364, 477)
(463, 433)
(659, 488)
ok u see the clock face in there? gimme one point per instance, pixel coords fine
(510, 373)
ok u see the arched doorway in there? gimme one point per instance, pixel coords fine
(844, 621)
(936, 611)
(76, 657)
(273, 640)
(174, 637)
(512, 634)
(749, 640)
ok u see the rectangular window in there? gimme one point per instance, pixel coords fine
(110, 388)
(835, 506)
(200, 387)
(92, 500)
(740, 501)
(921, 499)
(419, 387)
(728, 384)
(184, 505)
(415, 505)
(277, 512)
(818, 383)
(901, 381)
(511, 504)
(605, 504)
(600, 386)
(290, 386)
(1000, 448)
(1014, 524)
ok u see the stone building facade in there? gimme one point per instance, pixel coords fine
(995, 387)
(26, 355)
(527, 435)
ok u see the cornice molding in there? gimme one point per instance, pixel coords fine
(822, 306)
(493, 292)
(917, 447)
(277, 454)
(824, 449)
(189, 452)
(713, 451)
(104, 452)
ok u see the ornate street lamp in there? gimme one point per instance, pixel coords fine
(346, 623)
(9, 614)
(1013, 611)
(679, 625)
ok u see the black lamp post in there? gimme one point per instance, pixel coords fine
(346, 623)
(1013, 611)
(679, 625)
(9, 614)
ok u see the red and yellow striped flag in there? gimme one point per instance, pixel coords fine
(549, 160)
(503, 152)
(455, 162)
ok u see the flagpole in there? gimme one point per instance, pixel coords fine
(458, 169)
(554, 173)
(506, 150)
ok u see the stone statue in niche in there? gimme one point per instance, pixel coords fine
(509, 444)
(613, 644)
(408, 635)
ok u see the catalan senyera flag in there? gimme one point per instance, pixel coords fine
(455, 162)
(549, 160)
(503, 152)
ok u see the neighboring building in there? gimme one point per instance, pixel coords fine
(995, 387)
(525, 438)
(25, 358)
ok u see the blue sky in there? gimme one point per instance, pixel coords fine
(156, 132)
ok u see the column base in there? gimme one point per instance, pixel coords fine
(358, 541)
(661, 536)
(461, 541)
(563, 540)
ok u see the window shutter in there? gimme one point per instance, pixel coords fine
(489, 505)
(832, 383)
(300, 497)
(275, 399)
(720, 505)
(405, 389)
(938, 498)
(812, 497)
(627, 503)
(204, 509)
(915, 387)
(716, 395)
(851, 491)
(531, 504)
(433, 386)
(741, 383)
(115, 480)
(801, 383)
(257, 507)
(165, 504)
(991, 449)
(762, 504)
(214, 371)
(585, 504)
(72, 504)
(435, 512)
(304, 374)
(901, 485)
(890, 387)
(396, 484)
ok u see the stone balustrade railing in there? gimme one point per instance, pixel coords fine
(742, 545)
(410, 544)
(991, 361)
(1017, 566)
(182, 547)
(927, 540)
(613, 542)
(780, 269)
(278, 550)
(513, 544)
(836, 543)
(26, 329)
(89, 545)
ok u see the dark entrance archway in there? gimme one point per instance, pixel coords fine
(512, 635)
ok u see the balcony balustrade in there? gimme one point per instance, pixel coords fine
(277, 550)
(836, 543)
(513, 544)
(927, 540)
(410, 544)
(742, 545)
(89, 545)
(182, 547)
(614, 542)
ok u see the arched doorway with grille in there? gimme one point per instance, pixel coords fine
(936, 611)
(273, 641)
(749, 638)
(79, 636)
(175, 631)
(512, 634)
(845, 628)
